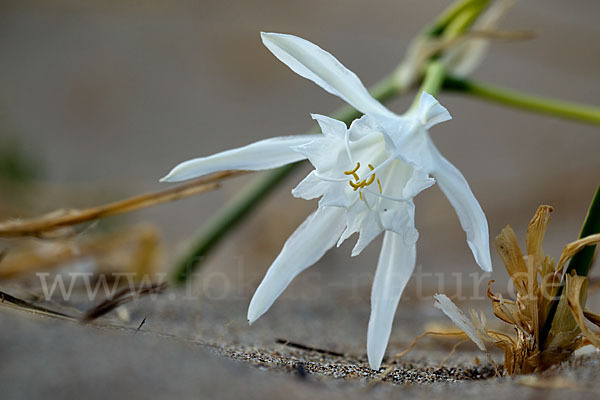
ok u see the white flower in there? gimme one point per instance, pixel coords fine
(366, 177)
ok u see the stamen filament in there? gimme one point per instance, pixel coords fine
(398, 199)
(347, 143)
(380, 166)
(364, 199)
(325, 178)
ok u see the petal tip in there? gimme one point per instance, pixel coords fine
(375, 358)
(269, 36)
(252, 316)
(374, 366)
(166, 178)
(255, 309)
(487, 267)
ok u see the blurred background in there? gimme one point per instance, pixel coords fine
(99, 99)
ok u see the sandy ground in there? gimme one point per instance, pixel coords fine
(109, 95)
(188, 350)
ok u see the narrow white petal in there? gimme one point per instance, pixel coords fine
(362, 127)
(327, 154)
(311, 187)
(317, 234)
(330, 126)
(310, 61)
(430, 112)
(400, 218)
(459, 318)
(400, 180)
(332, 193)
(419, 181)
(471, 216)
(264, 154)
(395, 266)
(370, 228)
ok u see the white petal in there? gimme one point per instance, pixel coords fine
(370, 228)
(330, 126)
(395, 266)
(310, 187)
(264, 154)
(430, 112)
(327, 154)
(406, 140)
(317, 234)
(419, 181)
(471, 216)
(362, 220)
(400, 218)
(459, 318)
(333, 193)
(310, 61)
(362, 127)
(400, 180)
(420, 152)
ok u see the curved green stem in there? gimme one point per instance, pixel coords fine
(463, 20)
(442, 22)
(432, 82)
(524, 101)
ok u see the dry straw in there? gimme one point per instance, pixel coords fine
(537, 281)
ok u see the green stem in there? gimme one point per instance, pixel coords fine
(463, 20)
(525, 101)
(432, 82)
(463, 16)
(441, 23)
(580, 262)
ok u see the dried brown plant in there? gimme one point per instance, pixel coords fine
(537, 281)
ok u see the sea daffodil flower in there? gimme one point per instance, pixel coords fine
(366, 177)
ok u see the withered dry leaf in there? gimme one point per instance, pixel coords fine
(576, 291)
(537, 282)
(460, 319)
(133, 250)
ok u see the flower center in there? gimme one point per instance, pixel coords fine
(358, 184)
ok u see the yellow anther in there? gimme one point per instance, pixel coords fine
(365, 182)
(353, 171)
(356, 186)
